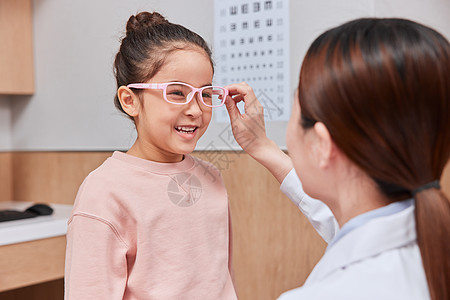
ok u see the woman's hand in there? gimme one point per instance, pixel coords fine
(248, 129)
(250, 132)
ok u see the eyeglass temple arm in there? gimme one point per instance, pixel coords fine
(146, 86)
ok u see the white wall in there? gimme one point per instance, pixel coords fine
(5, 124)
(434, 13)
(74, 47)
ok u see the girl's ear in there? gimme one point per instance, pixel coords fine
(129, 101)
(325, 147)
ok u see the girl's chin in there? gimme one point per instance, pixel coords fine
(185, 149)
(186, 143)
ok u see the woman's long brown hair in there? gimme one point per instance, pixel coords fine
(382, 88)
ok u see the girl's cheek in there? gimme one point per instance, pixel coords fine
(209, 119)
(207, 116)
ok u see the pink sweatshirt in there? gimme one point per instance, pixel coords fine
(147, 230)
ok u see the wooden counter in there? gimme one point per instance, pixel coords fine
(32, 251)
(29, 263)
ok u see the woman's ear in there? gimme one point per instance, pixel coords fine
(129, 101)
(325, 146)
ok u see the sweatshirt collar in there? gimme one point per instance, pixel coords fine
(155, 167)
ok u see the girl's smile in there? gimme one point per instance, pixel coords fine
(187, 131)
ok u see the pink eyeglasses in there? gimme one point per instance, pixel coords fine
(182, 93)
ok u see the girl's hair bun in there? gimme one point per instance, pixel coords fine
(144, 20)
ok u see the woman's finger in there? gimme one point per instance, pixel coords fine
(238, 98)
(246, 94)
(233, 110)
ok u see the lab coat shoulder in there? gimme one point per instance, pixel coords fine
(379, 260)
(388, 276)
(392, 275)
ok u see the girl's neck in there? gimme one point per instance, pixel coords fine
(149, 152)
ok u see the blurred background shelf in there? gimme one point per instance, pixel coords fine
(16, 48)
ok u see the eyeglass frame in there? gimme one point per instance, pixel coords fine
(163, 86)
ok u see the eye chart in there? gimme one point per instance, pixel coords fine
(251, 44)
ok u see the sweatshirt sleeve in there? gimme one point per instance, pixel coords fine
(96, 265)
(317, 212)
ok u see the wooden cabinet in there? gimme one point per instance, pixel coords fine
(16, 48)
(30, 263)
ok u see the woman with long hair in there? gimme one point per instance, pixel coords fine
(369, 136)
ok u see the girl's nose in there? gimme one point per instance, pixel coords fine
(194, 108)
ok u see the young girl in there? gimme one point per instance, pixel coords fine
(153, 223)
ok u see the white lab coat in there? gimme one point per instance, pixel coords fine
(378, 260)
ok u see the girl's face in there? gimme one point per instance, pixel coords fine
(168, 131)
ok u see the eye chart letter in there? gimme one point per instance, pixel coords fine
(251, 44)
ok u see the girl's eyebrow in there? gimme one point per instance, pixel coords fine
(208, 84)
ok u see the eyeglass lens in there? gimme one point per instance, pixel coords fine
(179, 93)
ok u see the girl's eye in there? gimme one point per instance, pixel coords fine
(206, 95)
(176, 96)
(176, 93)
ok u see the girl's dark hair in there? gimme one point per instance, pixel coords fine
(149, 39)
(382, 88)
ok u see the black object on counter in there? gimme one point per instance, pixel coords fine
(31, 212)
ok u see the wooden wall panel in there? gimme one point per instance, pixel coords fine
(6, 176)
(52, 177)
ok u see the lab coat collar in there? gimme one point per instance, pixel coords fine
(374, 237)
(360, 220)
